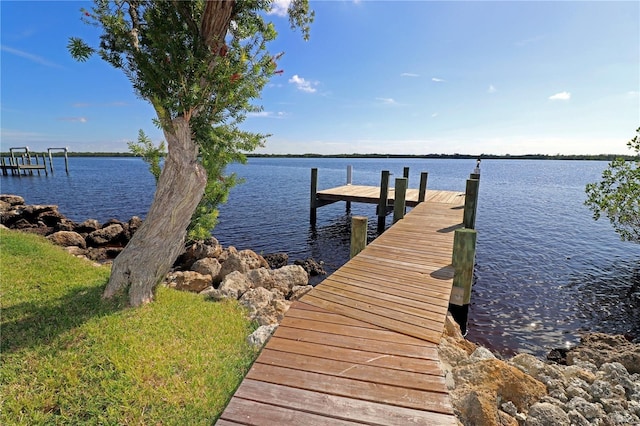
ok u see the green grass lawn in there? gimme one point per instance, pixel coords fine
(68, 357)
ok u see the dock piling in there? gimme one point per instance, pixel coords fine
(471, 203)
(399, 200)
(422, 194)
(383, 201)
(314, 190)
(463, 261)
(349, 180)
(358, 235)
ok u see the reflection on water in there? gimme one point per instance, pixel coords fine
(545, 271)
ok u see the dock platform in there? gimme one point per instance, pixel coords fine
(361, 347)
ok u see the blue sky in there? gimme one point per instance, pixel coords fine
(376, 77)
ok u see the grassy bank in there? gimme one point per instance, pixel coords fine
(67, 357)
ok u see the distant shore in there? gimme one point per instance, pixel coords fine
(582, 157)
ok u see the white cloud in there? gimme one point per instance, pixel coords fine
(561, 96)
(279, 7)
(409, 74)
(491, 89)
(267, 114)
(437, 80)
(34, 58)
(74, 119)
(633, 94)
(302, 84)
(434, 115)
(387, 101)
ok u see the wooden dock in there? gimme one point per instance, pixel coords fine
(21, 161)
(361, 347)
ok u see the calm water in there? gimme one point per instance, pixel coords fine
(545, 270)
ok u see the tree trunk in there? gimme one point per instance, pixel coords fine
(153, 249)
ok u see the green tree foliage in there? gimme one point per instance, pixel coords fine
(617, 195)
(200, 64)
(150, 153)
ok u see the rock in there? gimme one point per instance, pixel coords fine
(76, 251)
(255, 299)
(67, 239)
(297, 291)
(545, 414)
(312, 267)
(577, 419)
(509, 408)
(50, 217)
(4, 206)
(501, 381)
(65, 225)
(234, 285)
(12, 200)
(88, 226)
(242, 261)
(558, 356)
(536, 368)
(263, 306)
(276, 260)
(23, 217)
(481, 354)
(259, 337)
(134, 224)
(109, 235)
(207, 266)
(191, 281)
(601, 348)
(97, 254)
(38, 229)
(199, 250)
(214, 294)
(589, 410)
(476, 408)
(283, 279)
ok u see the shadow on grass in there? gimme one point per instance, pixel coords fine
(30, 324)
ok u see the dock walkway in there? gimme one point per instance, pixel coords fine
(361, 347)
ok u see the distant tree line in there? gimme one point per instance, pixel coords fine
(594, 157)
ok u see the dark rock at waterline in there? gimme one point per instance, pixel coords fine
(276, 260)
(312, 267)
(559, 356)
(600, 348)
(95, 241)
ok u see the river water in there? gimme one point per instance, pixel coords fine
(545, 270)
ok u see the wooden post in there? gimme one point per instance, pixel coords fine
(66, 160)
(399, 200)
(405, 172)
(470, 204)
(50, 160)
(382, 202)
(463, 260)
(44, 164)
(349, 177)
(358, 235)
(314, 191)
(475, 176)
(422, 194)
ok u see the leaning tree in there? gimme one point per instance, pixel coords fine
(200, 64)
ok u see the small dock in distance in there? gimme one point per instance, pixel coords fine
(388, 199)
(21, 161)
(371, 195)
